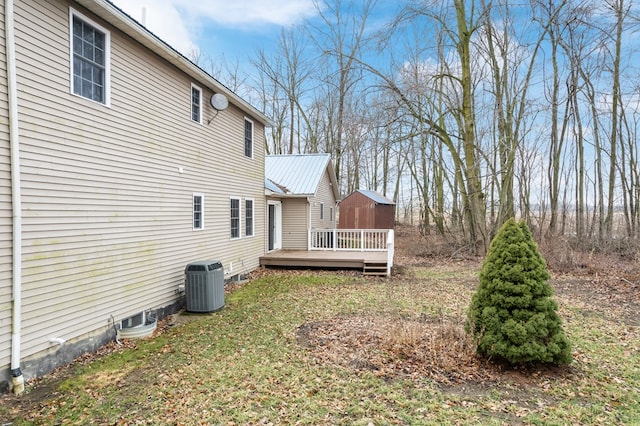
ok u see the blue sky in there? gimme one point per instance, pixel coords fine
(232, 28)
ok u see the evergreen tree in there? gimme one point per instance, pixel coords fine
(512, 314)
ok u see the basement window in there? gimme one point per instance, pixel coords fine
(132, 321)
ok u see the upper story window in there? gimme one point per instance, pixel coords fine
(198, 212)
(196, 104)
(235, 218)
(321, 211)
(248, 138)
(89, 59)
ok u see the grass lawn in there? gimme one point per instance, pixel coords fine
(312, 348)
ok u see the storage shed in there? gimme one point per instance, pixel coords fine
(364, 209)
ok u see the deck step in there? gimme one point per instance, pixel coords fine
(374, 268)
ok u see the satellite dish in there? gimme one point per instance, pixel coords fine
(219, 102)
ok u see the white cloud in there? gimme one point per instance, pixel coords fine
(242, 12)
(179, 22)
(162, 18)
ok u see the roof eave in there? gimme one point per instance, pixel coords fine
(278, 195)
(333, 179)
(116, 17)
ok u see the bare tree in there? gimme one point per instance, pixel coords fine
(272, 105)
(511, 66)
(621, 9)
(341, 39)
(288, 70)
(485, 109)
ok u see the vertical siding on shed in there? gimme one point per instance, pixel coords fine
(6, 230)
(357, 211)
(384, 216)
(107, 212)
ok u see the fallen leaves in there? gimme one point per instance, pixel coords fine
(387, 346)
(400, 340)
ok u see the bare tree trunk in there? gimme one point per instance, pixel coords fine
(621, 11)
(343, 41)
(475, 205)
(598, 192)
(556, 140)
(510, 92)
(580, 169)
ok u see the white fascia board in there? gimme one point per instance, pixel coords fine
(129, 26)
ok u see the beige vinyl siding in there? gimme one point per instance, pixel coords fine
(5, 211)
(107, 213)
(324, 194)
(295, 223)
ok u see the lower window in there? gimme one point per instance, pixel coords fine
(198, 211)
(248, 218)
(235, 217)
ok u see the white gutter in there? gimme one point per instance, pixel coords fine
(14, 143)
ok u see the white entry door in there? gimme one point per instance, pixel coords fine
(274, 225)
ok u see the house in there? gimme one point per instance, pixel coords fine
(302, 193)
(367, 210)
(120, 163)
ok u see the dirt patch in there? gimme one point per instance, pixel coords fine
(437, 349)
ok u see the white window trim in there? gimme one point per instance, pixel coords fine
(253, 145)
(253, 217)
(107, 57)
(199, 89)
(197, 194)
(239, 218)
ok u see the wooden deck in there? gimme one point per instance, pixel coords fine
(370, 262)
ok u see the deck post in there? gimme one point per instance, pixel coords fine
(390, 250)
(334, 240)
(362, 240)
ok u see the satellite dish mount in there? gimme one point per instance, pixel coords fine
(219, 102)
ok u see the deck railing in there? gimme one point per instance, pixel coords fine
(354, 240)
